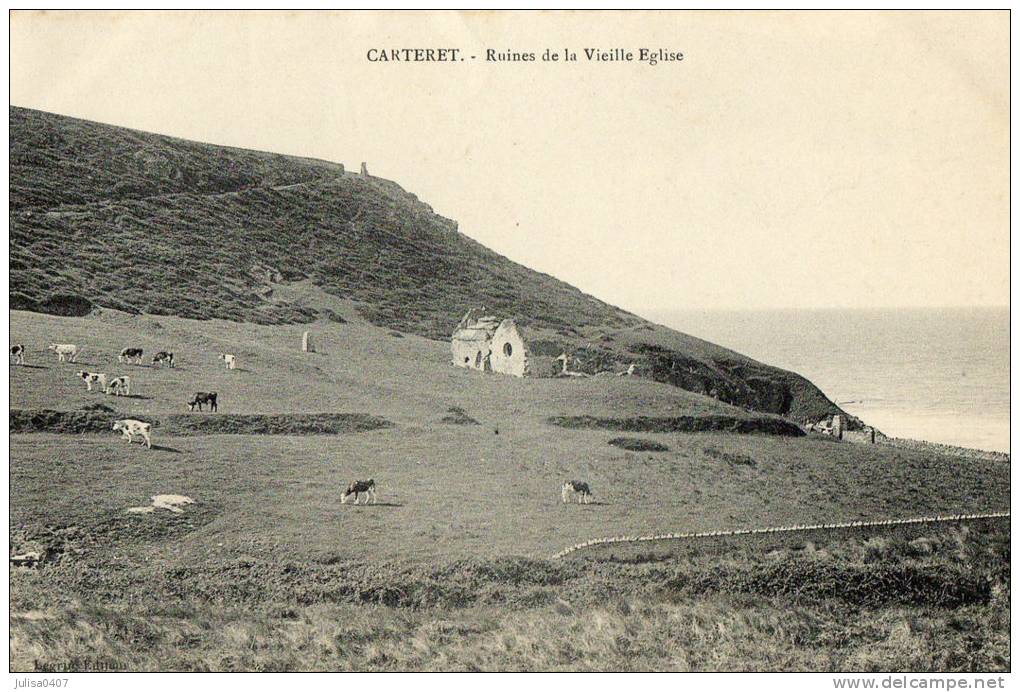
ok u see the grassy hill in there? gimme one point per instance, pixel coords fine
(143, 223)
(262, 569)
(122, 238)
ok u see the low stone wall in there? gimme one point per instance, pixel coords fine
(802, 528)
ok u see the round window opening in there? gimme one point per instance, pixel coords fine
(508, 350)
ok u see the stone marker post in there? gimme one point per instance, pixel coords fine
(306, 343)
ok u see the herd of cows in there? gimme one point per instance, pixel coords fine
(131, 428)
(121, 384)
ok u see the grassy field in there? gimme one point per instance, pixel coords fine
(268, 570)
(938, 601)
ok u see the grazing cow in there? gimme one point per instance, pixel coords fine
(18, 354)
(229, 359)
(580, 488)
(130, 427)
(163, 357)
(119, 386)
(91, 378)
(66, 351)
(130, 354)
(201, 398)
(357, 488)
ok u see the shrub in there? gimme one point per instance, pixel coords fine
(73, 422)
(457, 416)
(636, 444)
(66, 305)
(714, 422)
(98, 418)
(275, 424)
(96, 406)
(729, 458)
(867, 586)
(19, 301)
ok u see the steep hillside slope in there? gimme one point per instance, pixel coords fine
(107, 216)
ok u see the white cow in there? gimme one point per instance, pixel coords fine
(119, 386)
(18, 354)
(129, 427)
(229, 359)
(68, 351)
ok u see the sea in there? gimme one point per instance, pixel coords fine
(933, 374)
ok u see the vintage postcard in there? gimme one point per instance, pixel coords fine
(510, 341)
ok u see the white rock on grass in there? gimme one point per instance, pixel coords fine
(172, 503)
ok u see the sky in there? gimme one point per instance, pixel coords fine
(790, 160)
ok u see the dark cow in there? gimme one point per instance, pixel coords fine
(163, 357)
(18, 354)
(202, 398)
(357, 488)
(130, 354)
(580, 488)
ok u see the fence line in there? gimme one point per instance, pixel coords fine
(778, 529)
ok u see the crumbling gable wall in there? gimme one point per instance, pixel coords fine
(471, 344)
(509, 352)
(471, 353)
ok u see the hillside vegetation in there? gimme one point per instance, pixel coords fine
(143, 223)
(934, 602)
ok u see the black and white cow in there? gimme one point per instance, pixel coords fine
(119, 386)
(129, 427)
(128, 355)
(367, 488)
(18, 354)
(163, 357)
(580, 488)
(93, 378)
(202, 398)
